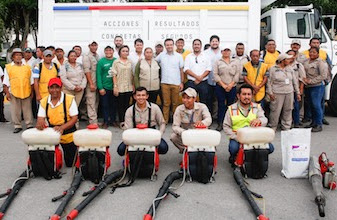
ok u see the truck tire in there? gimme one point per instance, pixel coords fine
(332, 103)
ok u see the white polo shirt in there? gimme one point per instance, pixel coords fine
(214, 56)
(170, 67)
(197, 64)
(72, 110)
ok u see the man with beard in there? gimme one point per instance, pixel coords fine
(118, 41)
(214, 53)
(241, 114)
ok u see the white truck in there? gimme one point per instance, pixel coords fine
(68, 24)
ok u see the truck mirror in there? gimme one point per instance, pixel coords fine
(317, 18)
(301, 27)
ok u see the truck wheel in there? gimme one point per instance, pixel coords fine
(333, 97)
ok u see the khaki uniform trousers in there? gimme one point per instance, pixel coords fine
(92, 105)
(282, 107)
(19, 107)
(178, 142)
(170, 96)
(78, 95)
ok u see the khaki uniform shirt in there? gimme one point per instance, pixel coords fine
(89, 65)
(298, 70)
(226, 72)
(73, 76)
(142, 117)
(227, 123)
(316, 71)
(282, 81)
(301, 58)
(184, 119)
(241, 61)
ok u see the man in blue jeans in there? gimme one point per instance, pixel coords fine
(241, 114)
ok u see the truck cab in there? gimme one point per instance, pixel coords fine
(302, 23)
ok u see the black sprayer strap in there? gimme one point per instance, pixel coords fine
(134, 116)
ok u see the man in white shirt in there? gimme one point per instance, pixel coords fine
(28, 58)
(172, 77)
(197, 67)
(136, 56)
(214, 53)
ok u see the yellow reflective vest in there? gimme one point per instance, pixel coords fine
(45, 75)
(322, 54)
(60, 115)
(255, 75)
(19, 80)
(238, 119)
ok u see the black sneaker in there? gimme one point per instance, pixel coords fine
(309, 126)
(297, 126)
(325, 122)
(219, 128)
(306, 120)
(317, 128)
(4, 120)
(17, 130)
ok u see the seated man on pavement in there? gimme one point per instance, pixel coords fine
(187, 116)
(241, 114)
(144, 112)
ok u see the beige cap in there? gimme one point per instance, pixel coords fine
(16, 50)
(190, 92)
(296, 42)
(158, 43)
(47, 52)
(283, 56)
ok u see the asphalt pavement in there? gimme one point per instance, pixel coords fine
(284, 198)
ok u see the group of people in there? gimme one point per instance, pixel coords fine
(282, 83)
(67, 88)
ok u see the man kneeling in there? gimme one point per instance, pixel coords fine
(189, 115)
(144, 112)
(241, 114)
(60, 111)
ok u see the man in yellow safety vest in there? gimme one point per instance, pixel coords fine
(18, 87)
(241, 114)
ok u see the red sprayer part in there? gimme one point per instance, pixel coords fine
(92, 126)
(201, 127)
(147, 217)
(141, 126)
(55, 217)
(72, 215)
(262, 217)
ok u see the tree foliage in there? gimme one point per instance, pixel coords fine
(18, 17)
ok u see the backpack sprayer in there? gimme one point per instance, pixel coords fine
(141, 160)
(45, 159)
(252, 161)
(198, 163)
(92, 162)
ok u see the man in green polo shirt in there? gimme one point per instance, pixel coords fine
(105, 87)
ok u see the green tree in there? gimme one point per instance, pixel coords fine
(18, 17)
